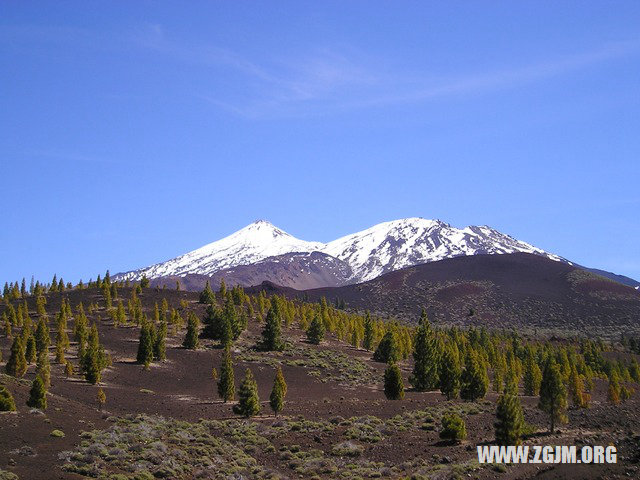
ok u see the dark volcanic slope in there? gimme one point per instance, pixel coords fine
(301, 271)
(518, 289)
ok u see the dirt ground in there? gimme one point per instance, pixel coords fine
(182, 388)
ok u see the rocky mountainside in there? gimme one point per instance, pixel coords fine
(262, 252)
(516, 290)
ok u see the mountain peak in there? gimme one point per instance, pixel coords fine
(385, 247)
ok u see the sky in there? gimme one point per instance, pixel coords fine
(132, 132)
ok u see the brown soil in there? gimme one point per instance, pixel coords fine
(182, 388)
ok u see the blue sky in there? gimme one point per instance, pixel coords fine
(131, 132)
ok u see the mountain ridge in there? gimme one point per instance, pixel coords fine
(382, 248)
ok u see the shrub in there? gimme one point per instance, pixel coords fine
(453, 428)
(7, 404)
(57, 433)
(347, 449)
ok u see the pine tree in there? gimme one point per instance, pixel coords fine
(613, 390)
(393, 384)
(121, 316)
(160, 343)
(101, 397)
(42, 336)
(193, 329)
(231, 318)
(207, 295)
(510, 420)
(316, 331)
(226, 384)
(576, 389)
(43, 369)
(62, 342)
(367, 341)
(355, 338)
(450, 373)
(272, 332)
(625, 393)
(144, 282)
(94, 359)
(474, 379)
(553, 395)
(7, 403)
(214, 322)
(387, 351)
(7, 325)
(248, 401)
(31, 351)
(532, 376)
(17, 364)
(68, 369)
(145, 345)
(37, 395)
(278, 393)
(426, 357)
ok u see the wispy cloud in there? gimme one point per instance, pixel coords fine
(323, 80)
(330, 82)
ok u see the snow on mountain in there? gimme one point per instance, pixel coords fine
(402, 243)
(253, 243)
(372, 252)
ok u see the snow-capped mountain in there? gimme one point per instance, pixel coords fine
(253, 243)
(364, 255)
(402, 243)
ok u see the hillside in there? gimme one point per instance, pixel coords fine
(503, 291)
(166, 421)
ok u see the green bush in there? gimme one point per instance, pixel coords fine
(453, 428)
(7, 404)
(57, 433)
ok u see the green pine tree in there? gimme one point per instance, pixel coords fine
(387, 351)
(426, 357)
(207, 295)
(43, 369)
(316, 331)
(226, 383)
(145, 345)
(367, 341)
(42, 336)
(101, 397)
(272, 332)
(509, 420)
(248, 401)
(31, 351)
(7, 403)
(193, 330)
(278, 393)
(94, 359)
(450, 373)
(393, 384)
(37, 395)
(160, 343)
(553, 394)
(17, 364)
(576, 389)
(532, 376)
(474, 379)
